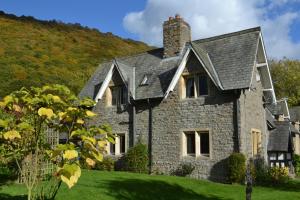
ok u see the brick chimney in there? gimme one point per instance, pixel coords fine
(176, 33)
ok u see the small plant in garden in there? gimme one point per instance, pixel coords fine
(107, 164)
(279, 174)
(236, 168)
(29, 113)
(184, 169)
(136, 159)
(296, 163)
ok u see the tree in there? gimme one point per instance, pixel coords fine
(30, 113)
(286, 78)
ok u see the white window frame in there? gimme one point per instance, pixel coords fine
(117, 145)
(197, 133)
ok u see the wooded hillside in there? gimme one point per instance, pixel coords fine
(35, 52)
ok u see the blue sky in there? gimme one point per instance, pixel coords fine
(105, 15)
(142, 19)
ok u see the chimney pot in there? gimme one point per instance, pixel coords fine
(170, 18)
(177, 16)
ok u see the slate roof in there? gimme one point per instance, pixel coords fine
(229, 59)
(295, 113)
(270, 119)
(279, 138)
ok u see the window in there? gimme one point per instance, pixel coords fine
(196, 143)
(204, 143)
(119, 147)
(256, 142)
(195, 86)
(190, 143)
(190, 87)
(119, 95)
(202, 87)
(144, 81)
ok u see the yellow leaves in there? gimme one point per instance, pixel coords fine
(70, 174)
(89, 139)
(47, 112)
(11, 135)
(90, 162)
(70, 154)
(90, 113)
(102, 143)
(17, 108)
(56, 99)
(79, 121)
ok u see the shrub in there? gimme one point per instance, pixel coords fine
(108, 164)
(279, 175)
(262, 176)
(136, 159)
(236, 168)
(184, 169)
(296, 163)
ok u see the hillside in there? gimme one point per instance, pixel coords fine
(35, 52)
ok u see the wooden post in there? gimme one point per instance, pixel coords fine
(248, 181)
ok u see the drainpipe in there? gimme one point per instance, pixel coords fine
(237, 121)
(150, 135)
(133, 125)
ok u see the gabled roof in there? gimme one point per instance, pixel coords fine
(279, 138)
(229, 60)
(295, 113)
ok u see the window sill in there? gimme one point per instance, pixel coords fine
(193, 98)
(198, 157)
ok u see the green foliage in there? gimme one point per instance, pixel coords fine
(184, 169)
(286, 78)
(262, 176)
(236, 168)
(108, 164)
(23, 135)
(35, 52)
(296, 163)
(136, 159)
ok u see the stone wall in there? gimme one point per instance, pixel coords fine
(253, 116)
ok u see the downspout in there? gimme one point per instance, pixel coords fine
(133, 124)
(150, 135)
(237, 121)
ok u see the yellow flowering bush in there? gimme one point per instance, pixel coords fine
(279, 174)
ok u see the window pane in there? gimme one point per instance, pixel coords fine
(122, 143)
(190, 87)
(203, 87)
(288, 156)
(272, 156)
(115, 93)
(123, 95)
(190, 141)
(280, 156)
(204, 143)
(112, 149)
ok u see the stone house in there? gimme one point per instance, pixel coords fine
(190, 101)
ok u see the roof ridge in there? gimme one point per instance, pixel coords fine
(229, 34)
(138, 54)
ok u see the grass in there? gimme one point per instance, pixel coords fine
(128, 186)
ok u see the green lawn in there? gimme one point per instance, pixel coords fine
(128, 186)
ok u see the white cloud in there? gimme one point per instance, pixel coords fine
(209, 18)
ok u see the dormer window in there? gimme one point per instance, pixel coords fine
(119, 95)
(195, 86)
(144, 81)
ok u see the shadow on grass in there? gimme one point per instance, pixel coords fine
(290, 186)
(136, 189)
(9, 197)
